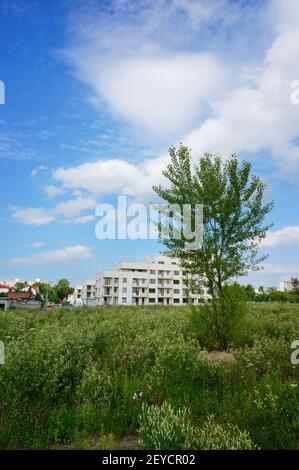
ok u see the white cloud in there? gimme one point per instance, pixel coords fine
(73, 207)
(68, 211)
(148, 84)
(134, 67)
(161, 95)
(37, 244)
(284, 236)
(38, 169)
(102, 176)
(53, 191)
(84, 219)
(32, 215)
(72, 253)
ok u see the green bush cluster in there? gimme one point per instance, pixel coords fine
(79, 375)
(165, 428)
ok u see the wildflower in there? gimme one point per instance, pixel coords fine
(137, 396)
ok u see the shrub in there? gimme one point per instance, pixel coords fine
(216, 325)
(96, 386)
(213, 436)
(164, 428)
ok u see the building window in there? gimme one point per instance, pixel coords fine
(152, 271)
(152, 281)
(152, 291)
(151, 301)
(161, 262)
(124, 300)
(124, 290)
(176, 301)
(176, 291)
(176, 281)
(125, 280)
(176, 273)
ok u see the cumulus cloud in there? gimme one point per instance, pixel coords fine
(37, 170)
(284, 236)
(161, 95)
(73, 207)
(32, 215)
(71, 253)
(259, 115)
(132, 67)
(69, 211)
(53, 191)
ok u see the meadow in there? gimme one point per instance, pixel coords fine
(133, 377)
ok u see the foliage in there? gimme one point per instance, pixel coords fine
(61, 290)
(73, 375)
(163, 428)
(233, 219)
(20, 285)
(216, 326)
(213, 436)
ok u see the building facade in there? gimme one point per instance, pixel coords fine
(157, 280)
(286, 286)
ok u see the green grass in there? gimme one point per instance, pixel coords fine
(78, 375)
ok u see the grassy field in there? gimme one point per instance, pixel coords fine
(124, 377)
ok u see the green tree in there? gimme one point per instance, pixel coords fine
(62, 290)
(20, 285)
(295, 284)
(249, 293)
(233, 219)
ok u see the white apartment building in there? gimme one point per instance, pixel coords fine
(157, 280)
(76, 297)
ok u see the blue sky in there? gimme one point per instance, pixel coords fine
(95, 93)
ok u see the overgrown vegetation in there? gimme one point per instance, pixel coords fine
(89, 375)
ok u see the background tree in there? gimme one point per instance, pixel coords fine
(44, 291)
(233, 220)
(249, 293)
(295, 283)
(62, 290)
(20, 285)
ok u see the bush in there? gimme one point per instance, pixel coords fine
(164, 428)
(212, 436)
(216, 325)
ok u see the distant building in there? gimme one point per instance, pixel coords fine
(76, 297)
(21, 295)
(5, 288)
(286, 286)
(157, 280)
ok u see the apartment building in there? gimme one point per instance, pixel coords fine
(157, 280)
(76, 297)
(286, 286)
